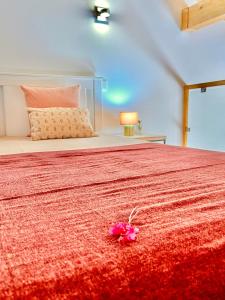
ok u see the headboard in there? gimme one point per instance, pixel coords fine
(13, 114)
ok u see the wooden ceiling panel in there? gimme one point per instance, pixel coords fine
(204, 13)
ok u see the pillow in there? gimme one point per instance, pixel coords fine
(59, 123)
(52, 97)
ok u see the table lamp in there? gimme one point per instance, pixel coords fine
(128, 120)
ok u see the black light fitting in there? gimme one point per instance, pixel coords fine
(101, 15)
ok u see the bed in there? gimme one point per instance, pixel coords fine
(57, 207)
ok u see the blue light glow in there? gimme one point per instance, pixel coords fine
(118, 97)
(121, 88)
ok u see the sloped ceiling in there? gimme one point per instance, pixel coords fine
(58, 35)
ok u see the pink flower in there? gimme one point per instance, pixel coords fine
(118, 229)
(124, 232)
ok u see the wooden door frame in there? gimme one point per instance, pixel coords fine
(186, 94)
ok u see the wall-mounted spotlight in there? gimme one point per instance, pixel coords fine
(101, 15)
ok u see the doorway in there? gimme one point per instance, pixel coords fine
(204, 116)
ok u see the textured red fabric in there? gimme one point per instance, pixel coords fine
(56, 209)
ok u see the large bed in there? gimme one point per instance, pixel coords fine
(57, 208)
(59, 198)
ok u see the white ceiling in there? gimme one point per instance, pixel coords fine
(71, 44)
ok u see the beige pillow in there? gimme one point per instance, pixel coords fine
(59, 123)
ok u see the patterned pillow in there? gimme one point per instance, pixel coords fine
(59, 123)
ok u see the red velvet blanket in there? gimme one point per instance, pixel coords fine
(56, 209)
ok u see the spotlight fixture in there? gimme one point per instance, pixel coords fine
(101, 15)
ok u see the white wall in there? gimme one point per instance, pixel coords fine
(144, 56)
(206, 119)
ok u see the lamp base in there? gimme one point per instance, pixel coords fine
(128, 130)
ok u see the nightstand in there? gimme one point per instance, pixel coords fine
(149, 138)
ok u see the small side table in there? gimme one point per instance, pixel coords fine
(149, 138)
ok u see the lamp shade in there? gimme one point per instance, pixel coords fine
(128, 118)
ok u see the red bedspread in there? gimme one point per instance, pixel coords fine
(56, 209)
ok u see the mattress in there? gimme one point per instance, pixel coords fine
(14, 145)
(57, 208)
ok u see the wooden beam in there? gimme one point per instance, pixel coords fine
(185, 18)
(204, 13)
(185, 115)
(205, 84)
